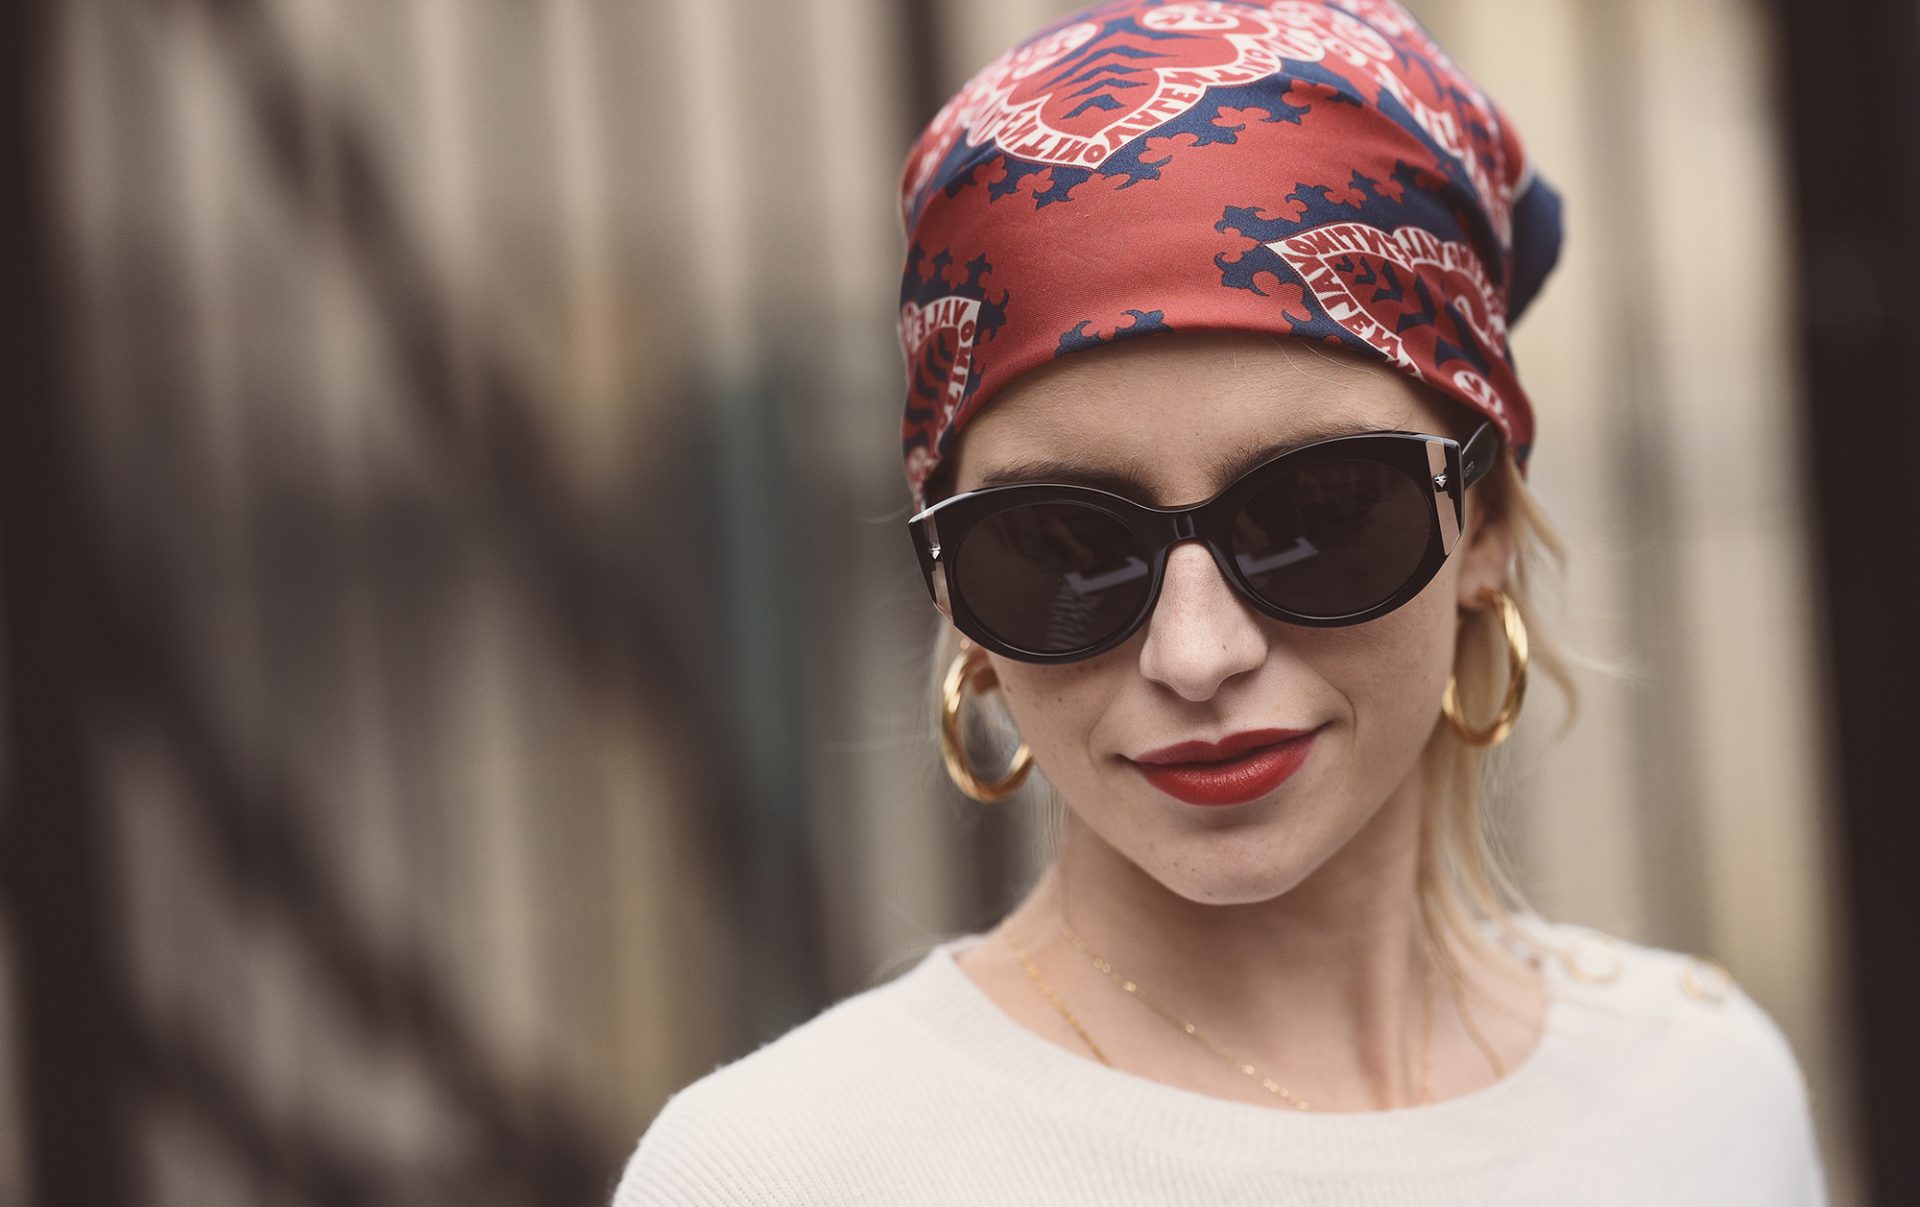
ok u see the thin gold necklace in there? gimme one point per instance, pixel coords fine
(1033, 971)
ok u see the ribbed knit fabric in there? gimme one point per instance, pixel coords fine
(922, 1090)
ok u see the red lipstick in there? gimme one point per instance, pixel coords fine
(1238, 768)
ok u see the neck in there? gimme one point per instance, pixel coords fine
(1325, 983)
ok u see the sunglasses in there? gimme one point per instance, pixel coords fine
(1337, 532)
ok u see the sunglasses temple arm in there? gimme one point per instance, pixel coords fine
(1476, 458)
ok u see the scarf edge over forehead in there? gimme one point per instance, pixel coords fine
(1315, 168)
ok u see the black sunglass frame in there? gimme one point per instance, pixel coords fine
(1437, 464)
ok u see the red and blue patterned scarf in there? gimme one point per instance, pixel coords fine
(1319, 169)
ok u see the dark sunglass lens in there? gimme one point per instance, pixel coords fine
(1334, 537)
(1051, 577)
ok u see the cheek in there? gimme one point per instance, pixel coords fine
(1055, 709)
(1393, 671)
(1389, 674)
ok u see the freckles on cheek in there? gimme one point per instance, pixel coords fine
(1391, 671)
(1053, 712)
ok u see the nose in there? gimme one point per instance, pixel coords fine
(1201, 632)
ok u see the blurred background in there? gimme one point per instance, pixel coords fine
(465, 670)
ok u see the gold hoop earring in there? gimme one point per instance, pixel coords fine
(1517, 655)
(969, 670)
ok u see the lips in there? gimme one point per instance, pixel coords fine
(1231, 746)
(1256, 763)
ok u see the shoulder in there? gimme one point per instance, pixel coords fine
(788, 1120)
(1678, 997)
(1706, 1056)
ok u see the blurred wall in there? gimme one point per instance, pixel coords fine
(476, 479)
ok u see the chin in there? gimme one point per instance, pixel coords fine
(1238, 869)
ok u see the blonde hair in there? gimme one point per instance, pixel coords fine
(1464, 873)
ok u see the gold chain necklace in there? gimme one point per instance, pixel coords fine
(1133, 988)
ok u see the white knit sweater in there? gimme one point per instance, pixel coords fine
(922, 1090)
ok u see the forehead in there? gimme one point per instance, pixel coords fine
(1171, 418)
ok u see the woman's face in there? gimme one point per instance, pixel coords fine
(1206, 663)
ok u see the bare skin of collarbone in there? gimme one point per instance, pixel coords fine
(1509, 1013)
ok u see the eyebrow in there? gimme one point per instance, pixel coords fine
(1126, 478)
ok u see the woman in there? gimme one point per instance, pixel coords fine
(1239, 533)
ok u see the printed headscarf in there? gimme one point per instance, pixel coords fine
(1318, 168)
